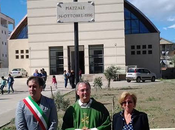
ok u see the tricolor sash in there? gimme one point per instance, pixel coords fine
(37, 112)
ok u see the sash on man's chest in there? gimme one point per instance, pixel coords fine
(37, 112)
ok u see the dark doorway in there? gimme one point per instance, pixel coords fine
(71, 58)
(81, 61)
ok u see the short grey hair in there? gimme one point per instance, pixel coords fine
(83, 82)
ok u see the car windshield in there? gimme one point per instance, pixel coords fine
(131, 70)
(16, 70)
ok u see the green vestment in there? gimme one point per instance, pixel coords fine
(97, 116)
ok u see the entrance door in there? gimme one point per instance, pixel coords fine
(71, 58)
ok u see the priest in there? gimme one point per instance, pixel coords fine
(86, 113)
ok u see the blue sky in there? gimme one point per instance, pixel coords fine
(160, 12)
(15, 9)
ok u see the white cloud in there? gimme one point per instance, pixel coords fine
(169, 27)
(172, 26)
(157, 9)
(165, 28)
(171, 19)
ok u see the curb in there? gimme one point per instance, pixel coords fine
(5, 124)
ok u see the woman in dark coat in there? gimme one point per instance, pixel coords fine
(72, 79)
(129, 118)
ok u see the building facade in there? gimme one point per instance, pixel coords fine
(167, 51)
(5, 21)
(121, 35)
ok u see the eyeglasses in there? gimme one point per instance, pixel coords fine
(125, 102)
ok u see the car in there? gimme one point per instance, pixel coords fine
(140, 74)
(18, 72)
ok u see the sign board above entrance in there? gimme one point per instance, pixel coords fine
(76, 12)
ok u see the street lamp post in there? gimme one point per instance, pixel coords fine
(85, 13)
(76, 53)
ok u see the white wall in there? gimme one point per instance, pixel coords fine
(45, 32)
(18, 44)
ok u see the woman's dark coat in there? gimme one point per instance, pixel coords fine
(140, 121)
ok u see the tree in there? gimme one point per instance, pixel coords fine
(111, 73)
(97, 83)
(173, 60)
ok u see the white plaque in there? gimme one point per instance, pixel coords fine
(76, 12)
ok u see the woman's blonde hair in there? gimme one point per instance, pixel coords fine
(124, 95)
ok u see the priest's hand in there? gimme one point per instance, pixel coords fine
(86, 129)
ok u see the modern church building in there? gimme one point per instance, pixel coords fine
(121, 35)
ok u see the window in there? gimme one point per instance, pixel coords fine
(27, 51)
(133, 25)
(5, 43)
(146, 71)
(149, 46)
(17, 56)
(143, 46)
(2, 43)
(22, 56)
(132, 47)
(140, 70)
(56, 60)
(132, 52)
(2, 55)
(22, 51)
(16, 51)
(149, 51)
(27, 56)
(141, 49)
(144, 52)
(23, 34)
(138, 46)
(96, 63)
(138, 52)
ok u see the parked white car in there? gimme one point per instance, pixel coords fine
(19, 72)
(140, 74)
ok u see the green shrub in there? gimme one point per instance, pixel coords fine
(60, 102)
(97, 83)
(82, 79)
(9, 128)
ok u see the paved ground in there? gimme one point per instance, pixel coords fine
(8, 102)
